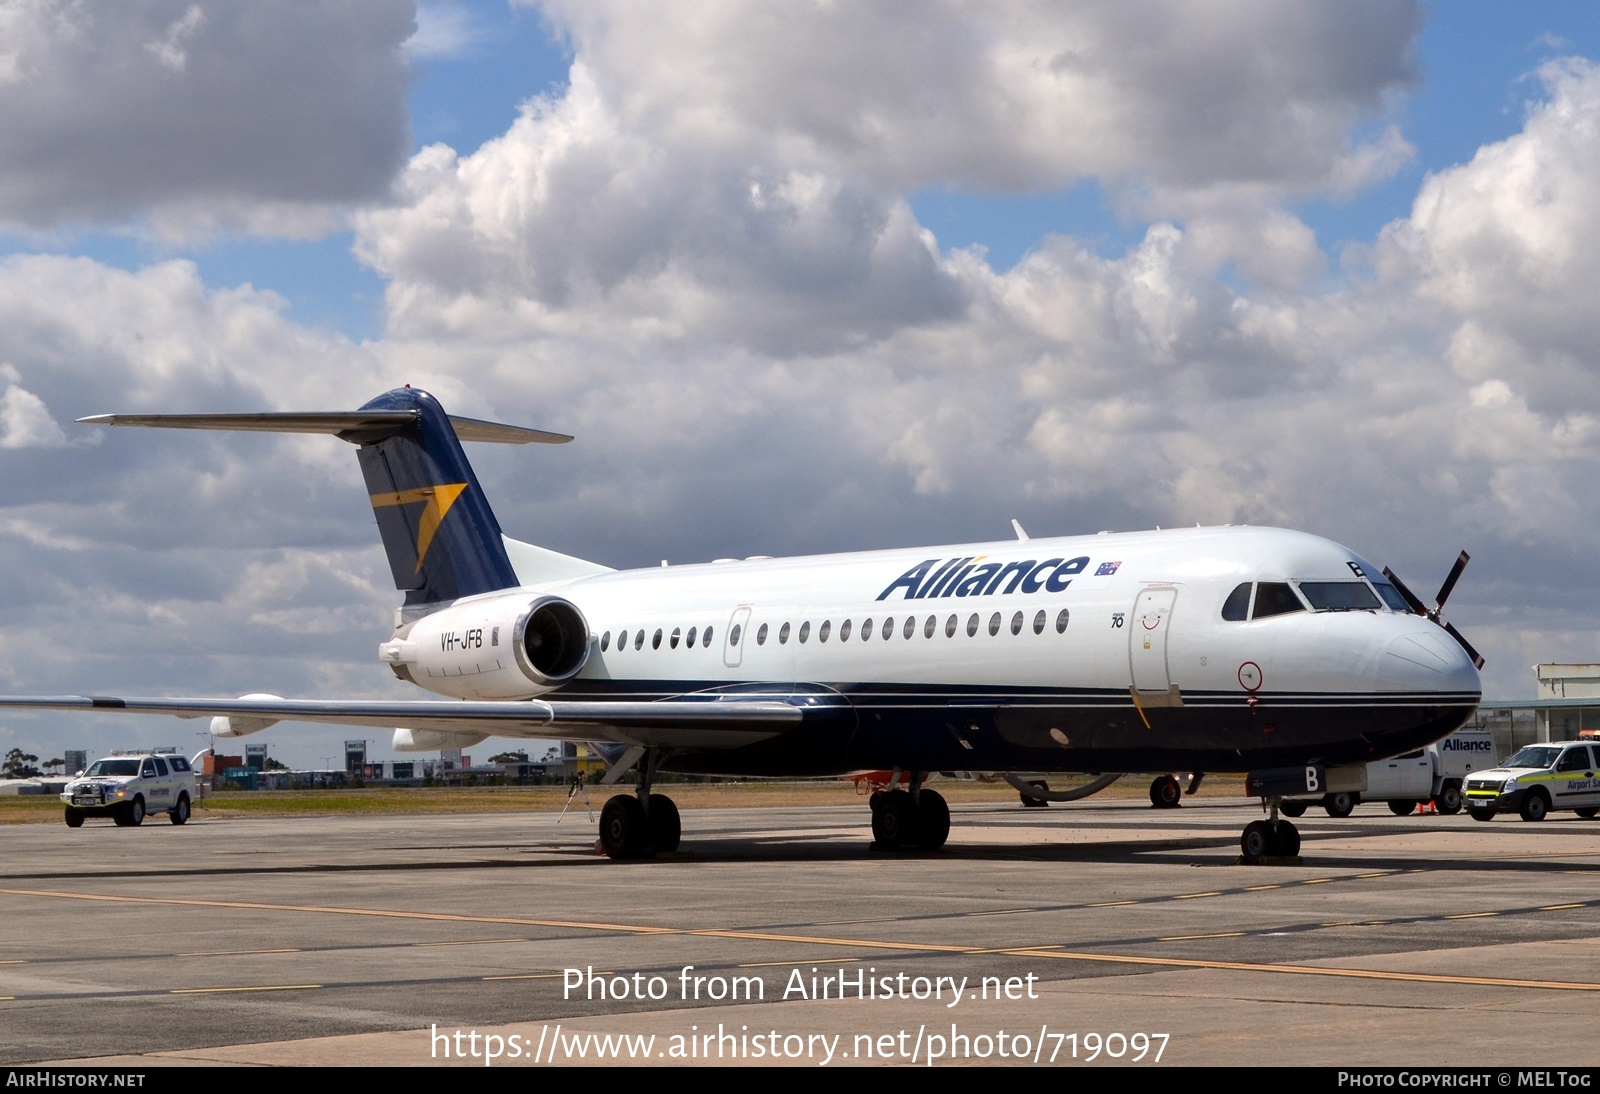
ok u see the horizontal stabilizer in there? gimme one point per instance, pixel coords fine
(357, 426)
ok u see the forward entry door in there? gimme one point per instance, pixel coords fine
(1147, 647)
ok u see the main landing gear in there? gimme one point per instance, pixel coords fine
(1166, 792)
(905, 819)
(1270, 838)
(641, 824)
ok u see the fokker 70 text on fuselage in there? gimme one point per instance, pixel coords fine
(1233, 649)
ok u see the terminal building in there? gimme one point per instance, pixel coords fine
(1566, 708)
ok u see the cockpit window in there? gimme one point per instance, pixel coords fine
(1275, 598)
(1391, 596)
(1237, 606)
(1339, 596)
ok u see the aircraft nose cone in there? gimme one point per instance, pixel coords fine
(1427, 660)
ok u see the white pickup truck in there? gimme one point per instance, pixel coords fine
(1435, 773)
(129, 786)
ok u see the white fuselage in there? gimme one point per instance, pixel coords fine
(1112, 642)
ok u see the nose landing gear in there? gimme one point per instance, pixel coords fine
(1270, 838)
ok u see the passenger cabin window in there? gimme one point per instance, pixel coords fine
(761, 635)
(994, 624)
(1275, 598)
(605, 642)
(888, 629)
(1236, 608)
(783, 635)
(844, 631)
(1016, 624)
(1062, 620)
(655, 643)
(866, 630)
(1339, 596)
(706, 639)
(677, 635)
(1038, 622)
(911, 626)
(690, 640)
(805, 630)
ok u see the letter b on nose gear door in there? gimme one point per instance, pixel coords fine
(1147, 648)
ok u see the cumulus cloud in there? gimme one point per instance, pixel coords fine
(1507, 247)
(567, 214)
(738, 176)
(1016, 96)
(25, 421)
(192, 117)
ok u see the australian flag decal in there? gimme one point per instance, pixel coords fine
(1107, 568)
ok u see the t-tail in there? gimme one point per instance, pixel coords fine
(440, 534)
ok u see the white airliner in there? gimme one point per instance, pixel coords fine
(1234, 649)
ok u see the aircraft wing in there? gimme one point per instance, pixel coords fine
(711, 721)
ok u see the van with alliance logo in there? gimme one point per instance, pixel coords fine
(1434, 774)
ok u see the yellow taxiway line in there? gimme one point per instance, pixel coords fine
(1050, 952)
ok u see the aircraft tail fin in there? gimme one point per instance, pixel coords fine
(441, 537)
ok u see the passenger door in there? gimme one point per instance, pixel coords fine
(1147, 647)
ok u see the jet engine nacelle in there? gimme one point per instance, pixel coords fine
(239, 727)
(433, 740)
(499, 647)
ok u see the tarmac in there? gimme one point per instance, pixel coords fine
(1098, 933)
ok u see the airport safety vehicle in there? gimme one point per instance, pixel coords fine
(1556, 775)
(129, 786)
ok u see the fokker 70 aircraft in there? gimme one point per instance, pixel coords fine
(1234, 649)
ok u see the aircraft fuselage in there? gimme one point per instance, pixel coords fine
(1090, 653)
